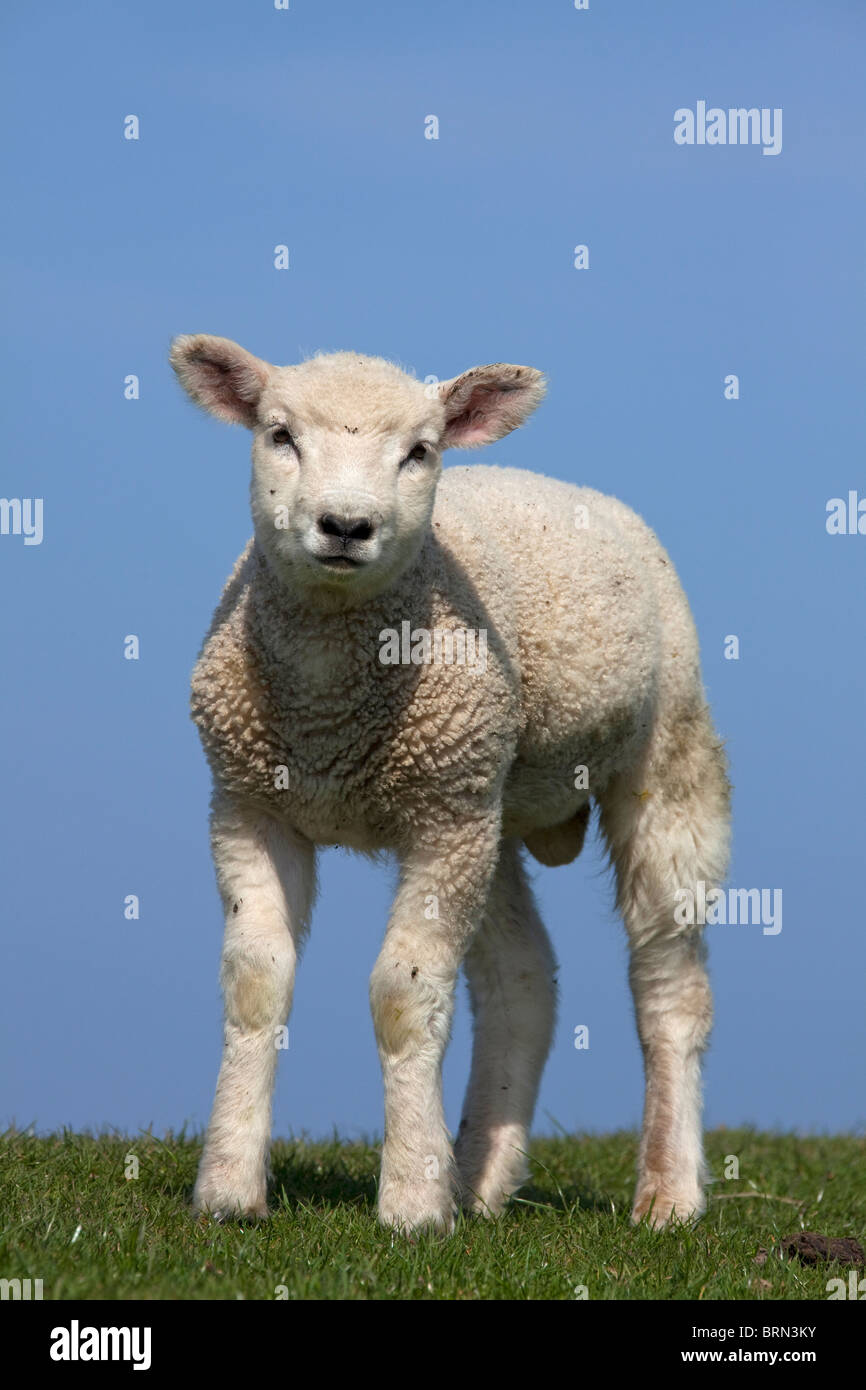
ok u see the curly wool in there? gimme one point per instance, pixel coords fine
(588, 637)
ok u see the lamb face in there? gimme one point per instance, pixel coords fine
(347, 452)
(346, 458)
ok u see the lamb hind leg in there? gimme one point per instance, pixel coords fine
(266, 880)
(510, 969)
(667, 828)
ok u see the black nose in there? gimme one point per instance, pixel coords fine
(347, 528)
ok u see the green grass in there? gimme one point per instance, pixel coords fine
(72, 1219)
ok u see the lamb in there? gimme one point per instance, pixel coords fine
(590, 693)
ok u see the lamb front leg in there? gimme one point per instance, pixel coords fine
(266, 878)
(439, 904)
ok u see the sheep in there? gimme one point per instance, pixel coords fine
(327, 719)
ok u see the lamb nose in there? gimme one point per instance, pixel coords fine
(348, 528)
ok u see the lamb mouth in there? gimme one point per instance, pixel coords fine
(338, 562)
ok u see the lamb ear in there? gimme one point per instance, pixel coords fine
(219, 375)
(487, 402)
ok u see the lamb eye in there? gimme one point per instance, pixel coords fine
(416, 454)
(281, 436)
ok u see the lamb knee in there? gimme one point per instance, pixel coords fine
(257, 986)
(410, 1005)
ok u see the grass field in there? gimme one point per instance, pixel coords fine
(73, 1219)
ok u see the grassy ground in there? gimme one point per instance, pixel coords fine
(73, 1219)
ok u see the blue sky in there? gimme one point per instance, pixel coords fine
(306, 127)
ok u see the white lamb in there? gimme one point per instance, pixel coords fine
(325, 721)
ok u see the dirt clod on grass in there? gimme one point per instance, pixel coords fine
(810, 1248)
